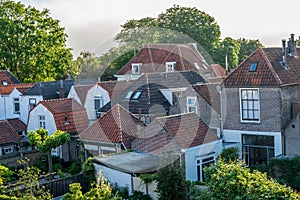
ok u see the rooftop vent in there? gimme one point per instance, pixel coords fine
(292, 46)
(283, 62)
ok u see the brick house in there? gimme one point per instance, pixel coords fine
(168, 58)
(257, 102)
(64, 114)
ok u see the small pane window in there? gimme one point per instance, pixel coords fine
(170, 66)
(250, 109)
(42, 121)
(136, 68)
(4, 82)
(66, 119)
(137, 95)
(16, 105)
(253, 67)
(32, 102)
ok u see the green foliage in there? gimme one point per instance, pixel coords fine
(198, 192)
(32, 44)
(75, 168)
(247, 47)
(137, 195)
(41, 165)
(230, 154)
(57, 166)
(148, 178)
(101, 191)
(5, 173)
(45, 143)
(286, 171)
(89, 169)
(234, 180)
(171, 183)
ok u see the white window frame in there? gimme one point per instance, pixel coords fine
(191, 105)
(7, 150)
(42, 122)
(136, 65)
(241, 106)
(32, 102)
(16, 101)
(4, 82)
(200, 163)
(170, 64)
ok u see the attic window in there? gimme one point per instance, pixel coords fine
(253, 67)
(128, 95)
(136, 68)
(137, 95)
(4, 82)
(170, 66)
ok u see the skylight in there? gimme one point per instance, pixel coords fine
(137, 95)
(253, 67)
(128, 95)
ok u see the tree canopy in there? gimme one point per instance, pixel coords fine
(45, 142)
(233, 180)
(32, 44)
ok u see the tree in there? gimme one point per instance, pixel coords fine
(247, 47)
(101, 191)
(45, 142)
(32, 44)
(234, 180)
(194, 23)
(171, 182)
(230, 154)
(230, 48)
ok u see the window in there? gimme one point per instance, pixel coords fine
(170, 66)
(42, 121)
(98, 102)
(7, 150)
(253, 67)
(32, 102)
(250, 111)
(136, 68)
(129, 95)
(4, 82)
(201, 164)
(257, 149)
(16, 105)
(191, 104)
(66, 119)
(136, 95)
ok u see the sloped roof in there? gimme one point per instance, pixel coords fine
(209, 93)
(173, 133)
(81, 91)
(7, 76)
(115, 126)
(50, 90)
(269, 71)
(154, 58)
(132, 162)
(67, 107)
(114, 88)
(9, 130)
(22, 88)
(218, 70)
(149, 85)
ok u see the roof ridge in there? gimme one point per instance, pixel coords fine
(60, 99)
(114, 81)
(176, 115)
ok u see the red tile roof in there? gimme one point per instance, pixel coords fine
(154, 58)
(22, 88)
(115, 126)
(173, 133)
(269, 71)
(9, 131)
(67, 107)
(7, 76)
(81, 91)
(218, 70)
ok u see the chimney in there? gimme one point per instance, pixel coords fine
(61, 90)
(292, 46)
(283, 62)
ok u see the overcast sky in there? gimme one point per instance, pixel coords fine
(92, 24)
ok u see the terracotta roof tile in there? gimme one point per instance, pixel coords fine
(154, 56)
(81, 91)
(67, 108)
(269, 71)
(22, 88)
(114, 88)
(9, 131)
(7, 76)
(173, 133)
(115, 126)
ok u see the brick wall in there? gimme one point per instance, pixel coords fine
(270, 110)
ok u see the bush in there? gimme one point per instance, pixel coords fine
(137, 195)
(75, 168)
(57, 167)
(43, 166)
(230, 154)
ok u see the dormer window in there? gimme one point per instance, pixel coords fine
(4, 82)
(253, 67)
(136, 68)
(66, 119)
(170, 66)
(136, 95)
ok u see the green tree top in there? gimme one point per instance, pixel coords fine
(32, 44)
